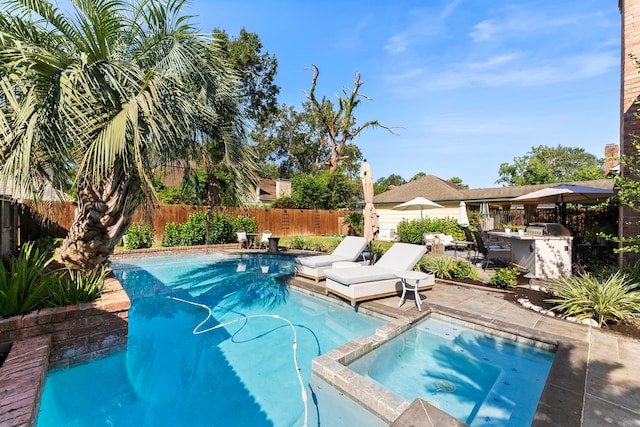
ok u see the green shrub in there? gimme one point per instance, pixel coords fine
(295, 242)
(193, 231)
(138, 236)
(24, 286)
(47, 244)
(441, 266)
(461, 270)
(378, 249)
(612, 299)
(74, 286)
(356, 221)
(246, 223)
(171, 234)
(412, 231)
(505, 277)
(222, 229)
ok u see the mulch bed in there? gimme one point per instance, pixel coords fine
(538, 298)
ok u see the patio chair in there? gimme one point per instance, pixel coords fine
(313, 266)
(468, 235)
(491, 252)
(242, 239)
(379, 280)
(264, 239)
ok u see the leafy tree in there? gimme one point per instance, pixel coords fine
(457, 181)
(546, 165)
(383, 184)
(323, 190)
(309, 192)
(257, 71)
(339, 124)
(418, 176)
(109, 91)
(292, 143)
(628, 194)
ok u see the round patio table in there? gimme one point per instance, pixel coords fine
(411, 287)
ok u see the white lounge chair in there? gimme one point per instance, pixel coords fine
(313, 266)
(379, 280)
(264, 239)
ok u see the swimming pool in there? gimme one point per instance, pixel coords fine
(245, 373)
(479, 378)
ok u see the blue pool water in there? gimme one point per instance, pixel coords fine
(478, 378)
(241, 374)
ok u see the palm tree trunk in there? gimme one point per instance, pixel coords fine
(103, 214)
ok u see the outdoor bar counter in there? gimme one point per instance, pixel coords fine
(546, 256)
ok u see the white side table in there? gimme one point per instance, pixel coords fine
(411, 275)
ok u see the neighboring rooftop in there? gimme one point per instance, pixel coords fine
(439, 190)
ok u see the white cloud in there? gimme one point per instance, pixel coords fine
(516, 70)
(485, 30)
(494, 61)
(449, 8)
(397, 44)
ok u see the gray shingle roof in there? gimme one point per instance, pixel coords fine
(439, 190)
(430, 187)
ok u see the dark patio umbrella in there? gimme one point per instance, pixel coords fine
(566, 193)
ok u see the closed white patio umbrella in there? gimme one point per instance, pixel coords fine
(463, 218)
(371, 224)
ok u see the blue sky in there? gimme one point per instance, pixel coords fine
(471, 83)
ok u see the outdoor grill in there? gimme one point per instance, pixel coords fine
(547, 229)
(544, 250)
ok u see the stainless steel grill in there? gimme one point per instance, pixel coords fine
(547, 229)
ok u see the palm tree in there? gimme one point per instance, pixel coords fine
(98, 97)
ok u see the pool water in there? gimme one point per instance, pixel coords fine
(478, 378)
(241, 374)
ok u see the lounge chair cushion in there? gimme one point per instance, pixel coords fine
(351, 247)
(320, 260)
(355, 275)
(401, 257)
(348, 250)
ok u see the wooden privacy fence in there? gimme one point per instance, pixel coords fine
(281, 222)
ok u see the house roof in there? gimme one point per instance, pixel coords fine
(429, 186)
(439, 190)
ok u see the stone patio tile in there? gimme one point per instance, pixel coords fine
(611, 382)
(601, 413)
(563, 328)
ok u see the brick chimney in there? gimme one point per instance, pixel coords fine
(611, 158)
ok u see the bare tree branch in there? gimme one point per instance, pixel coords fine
(340, 124)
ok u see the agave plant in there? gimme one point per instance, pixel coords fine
(612, 299)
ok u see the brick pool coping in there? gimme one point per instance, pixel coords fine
(55, 338)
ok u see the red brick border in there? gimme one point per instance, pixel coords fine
(78, 332)
(21, 381)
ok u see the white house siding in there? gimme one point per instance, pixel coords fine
(390, 218)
